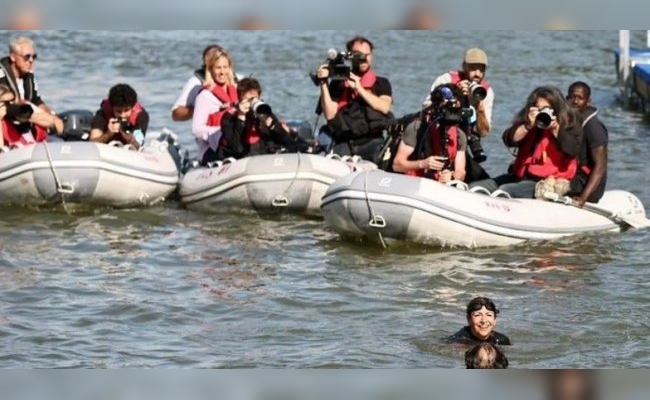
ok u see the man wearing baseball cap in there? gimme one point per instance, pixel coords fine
(479, 96)
(473, 70)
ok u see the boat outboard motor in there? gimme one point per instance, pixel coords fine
(76, 124)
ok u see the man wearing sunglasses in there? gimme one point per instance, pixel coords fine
(16, 71)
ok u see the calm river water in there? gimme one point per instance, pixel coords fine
(165, 287)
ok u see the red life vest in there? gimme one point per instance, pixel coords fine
(227, 96)
(435, 138)
(107, 110)
(457, 76)
(13, 137)
(544, 159)
(367, 81)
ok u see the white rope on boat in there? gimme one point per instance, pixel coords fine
(62, 189)
(480, 189)
(459, 185)
(376, 221)
(501, 193)
(220, 163)
(282, 200)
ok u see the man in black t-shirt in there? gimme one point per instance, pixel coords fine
(120, 118)
(357, 108)
(591, 179)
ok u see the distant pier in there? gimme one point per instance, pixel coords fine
(633, 71)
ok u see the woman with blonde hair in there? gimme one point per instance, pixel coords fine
(212, 103)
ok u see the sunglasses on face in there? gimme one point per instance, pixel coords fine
(28, 57)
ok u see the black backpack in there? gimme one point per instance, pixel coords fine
(395, 130)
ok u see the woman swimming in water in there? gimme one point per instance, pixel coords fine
(481, 320)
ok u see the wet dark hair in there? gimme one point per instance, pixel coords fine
(246, 85)
(581, 85)
(359, 39)
(122, 95)
(486, 356)
(479, 302)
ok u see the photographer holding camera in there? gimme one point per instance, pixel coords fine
(478, 95)
(120, 118)
(357, 105)
(435, 146)
(547, 133)
(251, 128)
(16, 129)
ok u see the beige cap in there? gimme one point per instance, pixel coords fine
(476, 56)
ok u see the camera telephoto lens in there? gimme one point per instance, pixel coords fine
(475, 146)
(544, 118)
(477, 91)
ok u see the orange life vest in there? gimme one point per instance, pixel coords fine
(12, 137)
(228, 97)
(435, 138)
(543, 159)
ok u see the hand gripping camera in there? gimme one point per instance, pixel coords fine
(477, 91)
(340, 64)
(125, 126)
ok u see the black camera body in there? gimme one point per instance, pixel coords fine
(450, 115)
(341, 64)
(125, 126)
(19, 112)
(474, 144)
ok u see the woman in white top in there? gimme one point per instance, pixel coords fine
(210, 101)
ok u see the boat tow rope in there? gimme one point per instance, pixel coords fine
(282, 200)
(376, 221)
(61, 188)
(634, 221)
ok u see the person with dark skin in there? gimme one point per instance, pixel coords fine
(589, 183)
